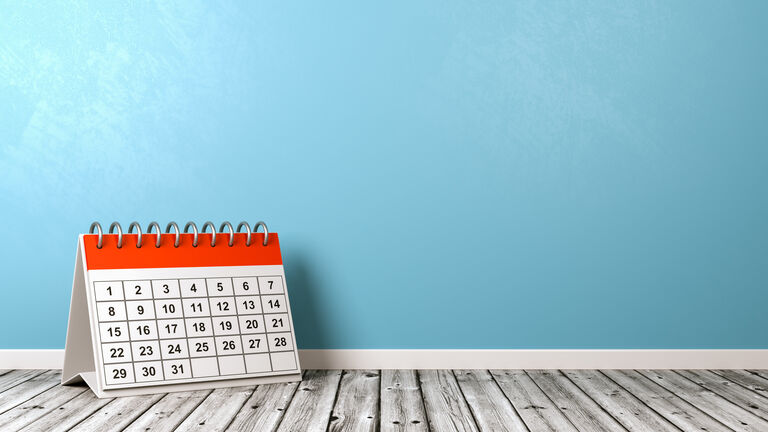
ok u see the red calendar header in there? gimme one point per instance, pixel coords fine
(185, 255)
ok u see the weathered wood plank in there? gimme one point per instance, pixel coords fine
(444, 403)
(582, 411)
(357, 403)
(265, 408)
(750, 380)
(490, 408)
(745, 398)
(759, 372)
(68, 414)
(168, 412)
(310, 409)
(402, 406)
(628, 410)
(38, 406)
(717, 407)
(15, 377)
(536, 409)
(675, 409)
(217, 410)
(26, 390)
(118, 414)
(460, 400)
(4, 371)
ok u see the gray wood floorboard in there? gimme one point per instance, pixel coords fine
(444, 403)
(490, 408)
(743, 397)
(168, 412)
(675, 409)
(310, 409)
(38, 406)
(759, 372)
(580, 409)
(264, 410)
(402, 405)
(536, 409)
(68, 414)
(217, 410)
(357, 402)
(118, 414)
(628, 410)
(16, 377)
(408, 400)
(713, 404)
(26, 390)
(747, 379)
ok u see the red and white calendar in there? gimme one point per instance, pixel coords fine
(154, 313)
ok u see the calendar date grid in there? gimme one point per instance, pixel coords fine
(171, 325)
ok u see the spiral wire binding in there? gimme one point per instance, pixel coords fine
(213, 232)
(248, 231)
(119, 233)
(175, 227)
(231, 232)
(138, 231)
(194, 227)
(157, 228)
(116, 226)
(97, 225)
(263, 225)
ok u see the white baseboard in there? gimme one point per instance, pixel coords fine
(474, 359)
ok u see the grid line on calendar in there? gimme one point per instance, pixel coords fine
(232, 336)
(215, 347)
(159, 345)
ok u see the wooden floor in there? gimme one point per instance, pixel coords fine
(409, 400)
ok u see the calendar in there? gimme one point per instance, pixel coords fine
(179, 311)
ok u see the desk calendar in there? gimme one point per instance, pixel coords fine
(154, 313)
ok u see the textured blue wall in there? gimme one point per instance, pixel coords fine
(496, 174)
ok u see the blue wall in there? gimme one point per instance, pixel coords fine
(496, 174)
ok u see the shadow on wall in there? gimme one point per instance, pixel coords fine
(308, 318)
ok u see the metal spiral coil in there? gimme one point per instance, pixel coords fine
(119, 233)
(177, 240)
(138, 231)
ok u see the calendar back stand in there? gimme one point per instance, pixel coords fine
(179, 313)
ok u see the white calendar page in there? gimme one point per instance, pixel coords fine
(190, 324)
(179, 313)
